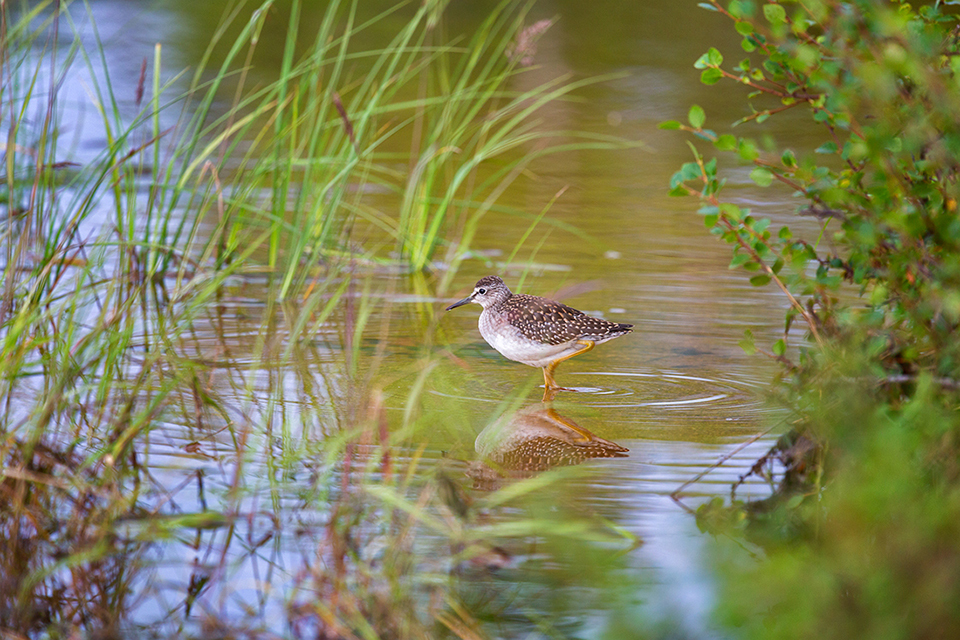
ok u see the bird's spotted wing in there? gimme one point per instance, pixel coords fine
(551, 322)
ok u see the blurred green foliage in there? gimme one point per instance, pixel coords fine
(862, 535)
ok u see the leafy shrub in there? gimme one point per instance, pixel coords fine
(874, 380)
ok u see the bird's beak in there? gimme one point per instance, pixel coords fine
(466, 300)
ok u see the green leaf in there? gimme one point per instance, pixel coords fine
(761, 176)
(761, 248)
(726, 142)
(732, 211)
(707, 6)
(788, 159)
(748, 150)
(779, 347)
(739, 259)
(670, 125)
(760, 280)
(714, 57)
(696, 116)
(711, 76)
(676, 179)
(743, 28)
(774, 13)
(690, 171)
(711, 58)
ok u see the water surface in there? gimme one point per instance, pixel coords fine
(678, 393)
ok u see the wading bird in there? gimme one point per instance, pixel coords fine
(536, 331)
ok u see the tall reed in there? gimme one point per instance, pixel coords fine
(118, 317)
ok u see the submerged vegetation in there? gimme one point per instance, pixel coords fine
(862, 535)
(121, 265)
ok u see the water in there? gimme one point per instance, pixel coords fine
(678, 393)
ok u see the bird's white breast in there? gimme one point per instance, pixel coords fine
(508, 340)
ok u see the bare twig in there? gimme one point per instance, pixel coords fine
(675, 494)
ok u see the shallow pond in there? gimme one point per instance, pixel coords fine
(678, 394)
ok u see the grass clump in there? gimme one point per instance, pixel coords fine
(141, 423)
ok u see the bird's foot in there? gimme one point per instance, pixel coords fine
(550, 392)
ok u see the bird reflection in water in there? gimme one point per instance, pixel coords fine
(532, 440)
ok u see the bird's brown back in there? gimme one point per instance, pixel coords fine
(552, 322)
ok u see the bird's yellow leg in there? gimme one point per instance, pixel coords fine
(549, 393)
(583, 434)
(548, 382)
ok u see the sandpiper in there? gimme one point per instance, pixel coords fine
(534, 330)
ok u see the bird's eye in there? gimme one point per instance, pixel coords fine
(481, 291)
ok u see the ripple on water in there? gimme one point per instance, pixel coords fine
(668, 390)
